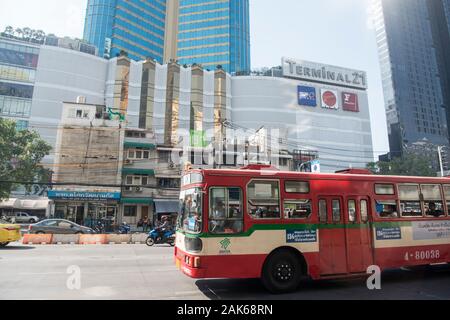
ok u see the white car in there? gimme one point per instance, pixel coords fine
(23, 217)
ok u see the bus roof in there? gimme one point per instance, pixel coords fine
(350, 174)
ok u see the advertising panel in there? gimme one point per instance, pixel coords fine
(329, 99)
(307, 96)
(350, 102)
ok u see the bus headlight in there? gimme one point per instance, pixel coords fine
(193, 244)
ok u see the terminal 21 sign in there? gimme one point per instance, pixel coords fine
(311, 71)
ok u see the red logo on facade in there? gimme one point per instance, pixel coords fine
(329, 99)
(350, 102)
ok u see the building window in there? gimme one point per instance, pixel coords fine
(130, 211)
(15, 107)
(163, 156)
(137, 180)
(138, 154)
(16, 90)
(135, 134)
(21, 125)
(169, 183)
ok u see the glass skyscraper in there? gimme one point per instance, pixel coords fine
(212, 33)
(134, 26)
(412, 42)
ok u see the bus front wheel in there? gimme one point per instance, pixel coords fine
(282, 272)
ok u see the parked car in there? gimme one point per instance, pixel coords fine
(23, 217)
(8, 233)
(58, 226)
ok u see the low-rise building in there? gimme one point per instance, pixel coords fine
(88, 165)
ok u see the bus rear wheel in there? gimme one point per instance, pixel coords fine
(282, 272)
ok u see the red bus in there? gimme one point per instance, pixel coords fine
(258, 222)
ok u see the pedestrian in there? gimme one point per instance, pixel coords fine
(140, 224)
(145, 224)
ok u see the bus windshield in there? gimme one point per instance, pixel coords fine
(191, 210)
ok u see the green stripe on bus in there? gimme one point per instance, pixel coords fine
(282, 227)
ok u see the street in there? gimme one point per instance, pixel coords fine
(139, 272)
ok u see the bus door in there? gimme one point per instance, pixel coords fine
(332, 243)
(358, 234)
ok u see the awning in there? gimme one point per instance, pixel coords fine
(147, 201)
(167, 206)
(131, 144)
(25, 204)
(9, 203)
(131, 171)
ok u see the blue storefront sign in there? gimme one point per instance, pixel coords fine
(394, 233)
(301, 236)
(80, 195)
(307, 96)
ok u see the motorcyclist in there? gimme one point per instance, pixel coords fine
(163, 227)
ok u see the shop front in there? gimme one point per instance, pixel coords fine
(86, 208)
(166, 207)
(136, 209)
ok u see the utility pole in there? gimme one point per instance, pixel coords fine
(440, 160)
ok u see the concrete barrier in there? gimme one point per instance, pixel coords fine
(65, 239)
(37, 239)
(92, 239)
(139, 238)
(118, 238)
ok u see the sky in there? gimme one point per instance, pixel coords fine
(336, 32)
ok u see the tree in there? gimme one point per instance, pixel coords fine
(9, 31)
(408, 165)
(27, 32)
(19, 33)
(21, 153)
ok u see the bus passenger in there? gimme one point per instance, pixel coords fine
(432, 210)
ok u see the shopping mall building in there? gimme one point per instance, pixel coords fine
(300, 108)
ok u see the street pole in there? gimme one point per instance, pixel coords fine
(440, 161)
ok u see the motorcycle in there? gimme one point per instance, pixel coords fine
(99, 228)
(124, 228)
(154, 237)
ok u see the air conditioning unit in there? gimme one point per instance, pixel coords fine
(128, 188)
(138, 189)
(128, 161)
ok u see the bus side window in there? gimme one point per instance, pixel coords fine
(351, 210)
(322, 211)
(336, 211)
(225, 215)
(364, 211)
(264, 199)
(297, 209)
(433, 202)
(410, 204)
(386, 209)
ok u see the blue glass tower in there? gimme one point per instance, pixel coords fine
(134, 26)
(413, 42)
(214, 33)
